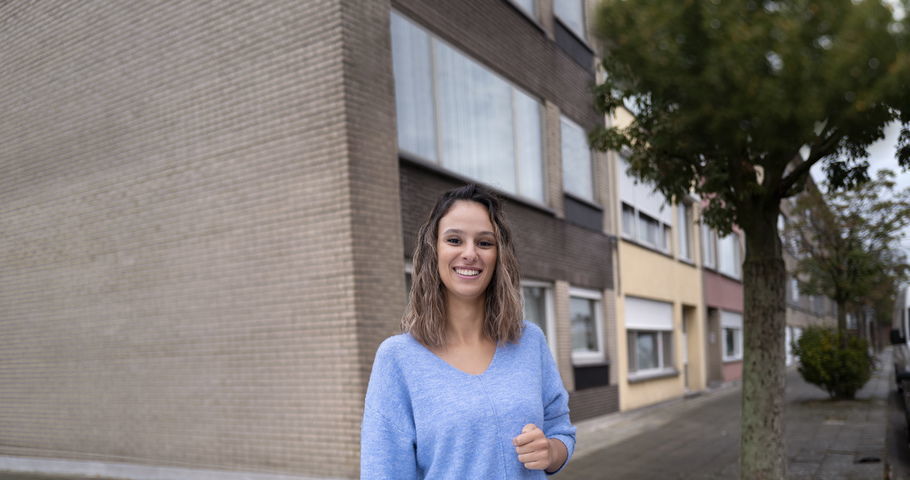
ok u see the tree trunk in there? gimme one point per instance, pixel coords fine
(764, 321)
(841, 317)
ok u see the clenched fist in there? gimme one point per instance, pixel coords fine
(537, 452)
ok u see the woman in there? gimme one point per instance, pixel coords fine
(469, 391)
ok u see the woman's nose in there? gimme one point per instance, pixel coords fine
(469, 253)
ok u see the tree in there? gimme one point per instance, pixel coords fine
(725, 95)
(846, 245)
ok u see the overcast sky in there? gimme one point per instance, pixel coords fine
(882, 156)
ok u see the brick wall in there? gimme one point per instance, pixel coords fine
(179, 226)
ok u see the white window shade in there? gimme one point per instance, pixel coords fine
(642, 314)
(475, 109)
(643, 197)
(731, 320)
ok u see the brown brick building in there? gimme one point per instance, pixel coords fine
(207, 211)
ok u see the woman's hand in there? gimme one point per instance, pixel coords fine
(537, 452)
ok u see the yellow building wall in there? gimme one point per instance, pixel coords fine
(648, 274)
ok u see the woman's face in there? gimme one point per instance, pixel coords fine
(466, 250)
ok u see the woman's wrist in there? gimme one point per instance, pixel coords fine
(558, 454)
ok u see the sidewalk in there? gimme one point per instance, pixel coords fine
(698, 438)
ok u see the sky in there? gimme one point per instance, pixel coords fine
(881, 156)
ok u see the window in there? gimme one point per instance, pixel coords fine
(646, 217)
(578, 178)
(572, 14)
(528, 6)
(708, 241)
(649, 334)
(819, 304)
(728, 256)
(732, 324)
(650, 351)
(684, 221)
(456, 113)
(586, 320)
(794, 289)
(538, 308)
(628, 221)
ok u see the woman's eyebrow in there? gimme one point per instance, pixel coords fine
(461, 232)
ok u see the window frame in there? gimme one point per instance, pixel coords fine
(736, 326)
(737, 345)
(549, 309)
(639, 234)
(588, 357)
(664, 365)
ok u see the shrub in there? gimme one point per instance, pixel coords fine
(838, 363)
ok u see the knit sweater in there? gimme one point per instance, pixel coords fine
(425, 419)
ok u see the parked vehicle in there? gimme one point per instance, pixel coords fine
(901, 356)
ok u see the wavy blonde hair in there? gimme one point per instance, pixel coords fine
(425, 315)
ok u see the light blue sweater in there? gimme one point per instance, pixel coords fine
(424, 418)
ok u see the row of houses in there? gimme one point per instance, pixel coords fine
(208, 213)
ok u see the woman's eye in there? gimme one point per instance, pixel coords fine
(453, 241)
(486, 244)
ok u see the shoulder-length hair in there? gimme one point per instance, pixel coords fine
(425, 316)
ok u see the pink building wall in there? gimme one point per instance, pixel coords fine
(733, 371)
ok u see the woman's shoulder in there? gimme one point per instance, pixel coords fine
(395, 347)
(530, 332)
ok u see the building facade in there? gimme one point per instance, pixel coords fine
(208, 216)
(660, 308)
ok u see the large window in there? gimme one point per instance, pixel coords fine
(646, 215)
(578, 178)
(572, 14)
(728, 255)
(456, 113)
(538, 308)
(649, 334)
(587, 326)
(732, 324)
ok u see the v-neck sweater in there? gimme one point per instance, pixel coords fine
(425, 419)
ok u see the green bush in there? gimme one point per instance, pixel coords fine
(838, 363)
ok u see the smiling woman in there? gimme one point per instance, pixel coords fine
(469, 390)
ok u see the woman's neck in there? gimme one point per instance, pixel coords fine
(465, 321)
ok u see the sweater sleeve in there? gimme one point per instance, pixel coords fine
(556, 423)
(387, 435)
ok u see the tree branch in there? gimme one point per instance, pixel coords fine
(817, 152)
